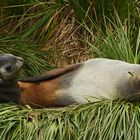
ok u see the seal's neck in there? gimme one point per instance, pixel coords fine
(9, 91)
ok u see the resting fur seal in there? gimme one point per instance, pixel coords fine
(95, 79)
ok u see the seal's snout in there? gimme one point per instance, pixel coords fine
(20, 59)
(19, 63)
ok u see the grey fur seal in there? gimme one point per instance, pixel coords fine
(94, 80)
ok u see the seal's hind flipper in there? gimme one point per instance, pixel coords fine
(49, 75)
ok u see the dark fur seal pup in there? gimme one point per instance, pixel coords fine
(94, 80)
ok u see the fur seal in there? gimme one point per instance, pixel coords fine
(94, 79)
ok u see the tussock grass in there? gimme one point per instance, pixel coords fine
(56, 26)
(102, 120)
(118, 40)
(65, 32)
(34, 58)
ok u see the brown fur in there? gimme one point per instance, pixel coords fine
(38, 91)
(39, 95)
(41, 91)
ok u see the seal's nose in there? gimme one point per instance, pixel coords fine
(20, 59)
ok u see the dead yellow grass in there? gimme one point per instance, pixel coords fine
(65, 44)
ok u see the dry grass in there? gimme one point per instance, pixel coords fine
(64, 42)
(65, 45)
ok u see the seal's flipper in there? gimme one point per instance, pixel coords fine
(53, 74)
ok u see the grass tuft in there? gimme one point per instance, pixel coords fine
(111, 120)
(34, 58)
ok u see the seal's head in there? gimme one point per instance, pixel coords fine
(9, 67)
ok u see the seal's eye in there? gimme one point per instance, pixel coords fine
(9, 68)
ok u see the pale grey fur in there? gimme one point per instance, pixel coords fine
(100, 79)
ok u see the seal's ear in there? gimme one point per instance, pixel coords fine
(131, 73)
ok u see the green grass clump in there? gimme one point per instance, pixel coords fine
(37, 30)
(110, 120)
(118, 40)
(34, 59)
